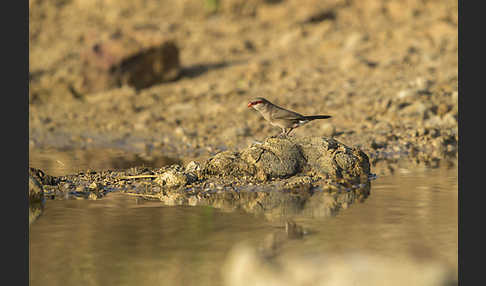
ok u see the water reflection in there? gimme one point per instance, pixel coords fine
(276, 203)
(125, 240)
(35, 210)
(36, 197)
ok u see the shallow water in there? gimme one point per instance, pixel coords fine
(122, 240)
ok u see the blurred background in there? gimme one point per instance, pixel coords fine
(157, 79)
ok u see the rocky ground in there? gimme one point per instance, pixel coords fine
(385, 70)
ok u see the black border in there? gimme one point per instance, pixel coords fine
(470, 124)
(460, 145)
(461, 120)
(15, 117)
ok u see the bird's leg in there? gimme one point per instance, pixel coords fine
(285, 132)
(289, 130)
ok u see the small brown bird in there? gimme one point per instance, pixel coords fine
(281, 117)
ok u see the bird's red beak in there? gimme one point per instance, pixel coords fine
(250, 104)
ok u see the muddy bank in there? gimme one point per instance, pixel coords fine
(385, 70)
(296, 196)
(58, 162)
(316, 176)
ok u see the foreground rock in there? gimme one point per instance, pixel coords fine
(343, 269)
(284, 157)
(36, 194)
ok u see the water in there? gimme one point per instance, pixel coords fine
(122, 240)
(412, 212)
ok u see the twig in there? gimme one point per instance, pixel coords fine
(139, 177)
(142, 195)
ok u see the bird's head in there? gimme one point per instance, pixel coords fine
(258, 103)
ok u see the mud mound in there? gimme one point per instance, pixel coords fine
(285, 157)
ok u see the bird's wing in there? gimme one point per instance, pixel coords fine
(280, 113)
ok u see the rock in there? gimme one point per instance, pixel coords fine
(227, 163)
(285, 157)
(328, 129)
(115, 62)
(276, 158)
(92, 196)
(399, 11)
(440, 31)
(193, 166)
(172, 178)
(348, 61)
(36, 197)
(378, 143)
(319, 16)
(352, 41)
(151, 66)
(449, 120)
(405, 93)
(329, 157)
(331, 269)
(291, 36)
(36, 193)
(42, 178)
(455, 97)
(443, 109)
(192, 171)
(415, 109)
(383, 127)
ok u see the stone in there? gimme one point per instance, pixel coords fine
(328, 129)
(330, 269)
(193, 166)
(36, 192)
(415, 109)
(285, 157)
(172, 178)
(36, 196)
(277, 158)
(150, 66)
(114, 63)
(329, 157)
(383, 127)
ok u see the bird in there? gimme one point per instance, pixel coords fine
(281, 117)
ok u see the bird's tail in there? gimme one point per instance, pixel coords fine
(312, 117)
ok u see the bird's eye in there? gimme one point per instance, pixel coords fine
(254, 102)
